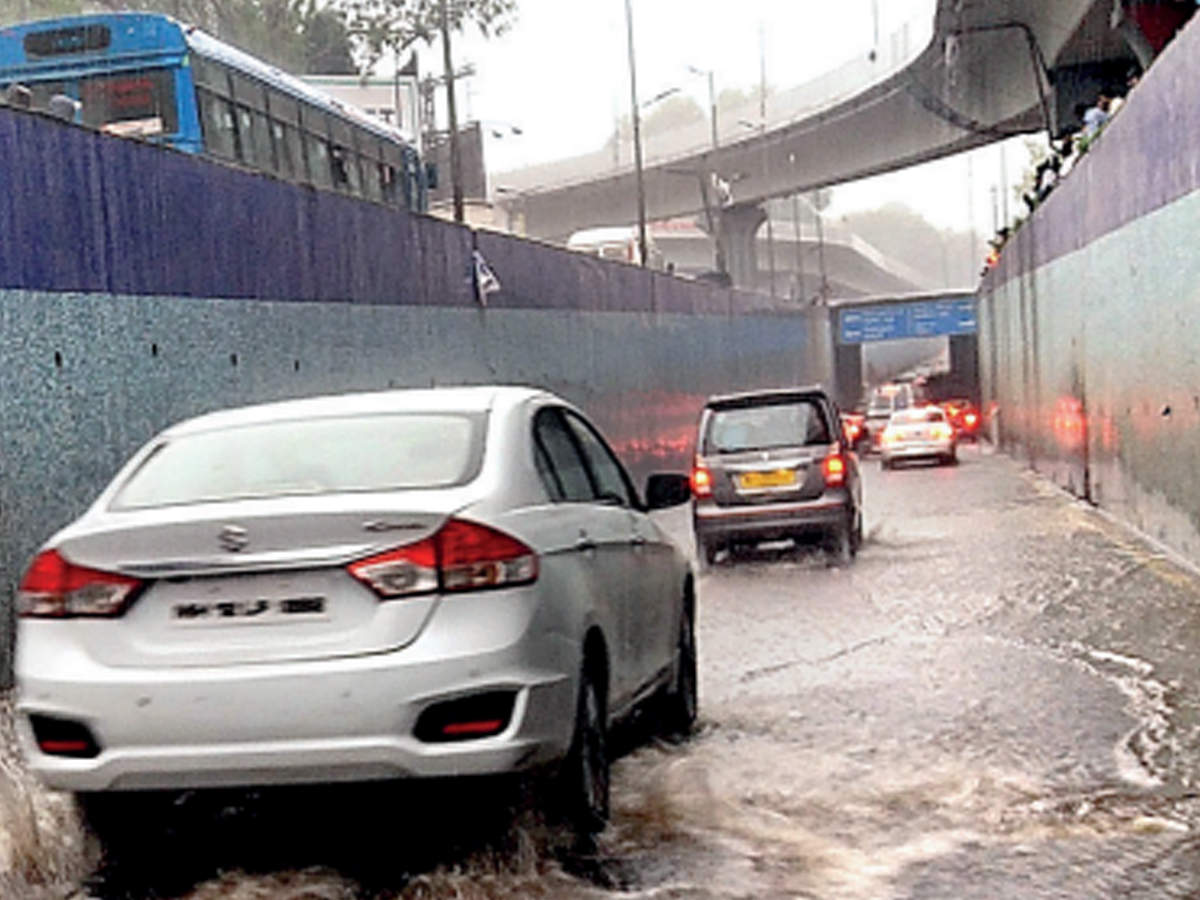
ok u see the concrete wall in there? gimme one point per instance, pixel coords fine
(140, 286)
(1091, 322)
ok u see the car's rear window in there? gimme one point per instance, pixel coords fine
(791, 424)
(311, 456)
(919, 416)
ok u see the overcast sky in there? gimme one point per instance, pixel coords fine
(561, 75)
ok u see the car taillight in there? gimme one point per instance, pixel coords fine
(460, 556)
(970, 419)
(941, 431)
(54, 587)
(834, 469)
(890, 436)
(702, 482)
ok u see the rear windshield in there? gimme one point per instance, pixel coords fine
(887, 400)
(313, 456)
(763, 427)
(918, 416)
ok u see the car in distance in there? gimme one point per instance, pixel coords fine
(855, 426)
(884, 400)
(401, 584)
(771, 465)
(964, 418)
(920, 433)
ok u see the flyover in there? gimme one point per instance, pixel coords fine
(981, 71)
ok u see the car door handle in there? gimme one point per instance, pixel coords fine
(638, 541)
(585, 544)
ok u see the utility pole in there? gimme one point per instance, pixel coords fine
(799, 248)
(712, 108)
(821, 250)
(452, 112)
(643, 248)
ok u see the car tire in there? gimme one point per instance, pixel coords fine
(680, 702)
(839, 546)
(585, 774)
(706, 554)
(856, 533)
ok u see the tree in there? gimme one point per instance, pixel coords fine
(671, 113)
(395, 25)
(944, 258)
(327, 45)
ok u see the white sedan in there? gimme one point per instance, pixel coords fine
(921, 433)
(402, 584)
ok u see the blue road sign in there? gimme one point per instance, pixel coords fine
(894, 321)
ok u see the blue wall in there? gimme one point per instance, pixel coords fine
(139, 286)
(1090, 341)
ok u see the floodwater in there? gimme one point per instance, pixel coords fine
(995, 700)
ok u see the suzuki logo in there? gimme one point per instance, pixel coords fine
(233, 538)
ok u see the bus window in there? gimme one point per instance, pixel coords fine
(220, 136)
(245, 134)
(264, 154)
(138, 102)
(320, 165)
(210, 75)
(286, 149)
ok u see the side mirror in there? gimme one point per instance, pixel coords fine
(431, 176)
(667, 489)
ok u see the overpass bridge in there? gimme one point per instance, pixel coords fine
(980, 71)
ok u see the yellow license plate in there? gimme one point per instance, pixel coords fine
(778, 478)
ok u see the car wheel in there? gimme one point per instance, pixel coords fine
(706, 554)
(856, 533)
(681, 705)
(838, 546)
(585, 777)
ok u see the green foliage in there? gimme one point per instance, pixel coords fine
(943, 258)
(674, 112)
(395, 25)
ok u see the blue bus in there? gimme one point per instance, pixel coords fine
(148, 76)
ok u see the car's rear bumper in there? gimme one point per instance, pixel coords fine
(766, 521)
(312, 721)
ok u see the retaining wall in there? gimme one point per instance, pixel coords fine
(139, 286)
(1090, 341)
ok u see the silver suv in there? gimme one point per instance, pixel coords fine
(772, 465)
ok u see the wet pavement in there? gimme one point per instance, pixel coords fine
(995, 700)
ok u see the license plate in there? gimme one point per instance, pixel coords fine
(777, 478)
(228, 612)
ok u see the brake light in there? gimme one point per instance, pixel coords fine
(56, 588)
(970, 418)
(941, 431)
(702, 482)
(460, 556)
(834, 469)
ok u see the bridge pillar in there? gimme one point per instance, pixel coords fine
(964, 364)
(737, 230)
(847, 374)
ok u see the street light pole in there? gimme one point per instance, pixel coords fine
(452, 113)
(637, 138)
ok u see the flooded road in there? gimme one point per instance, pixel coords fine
(996, 699)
